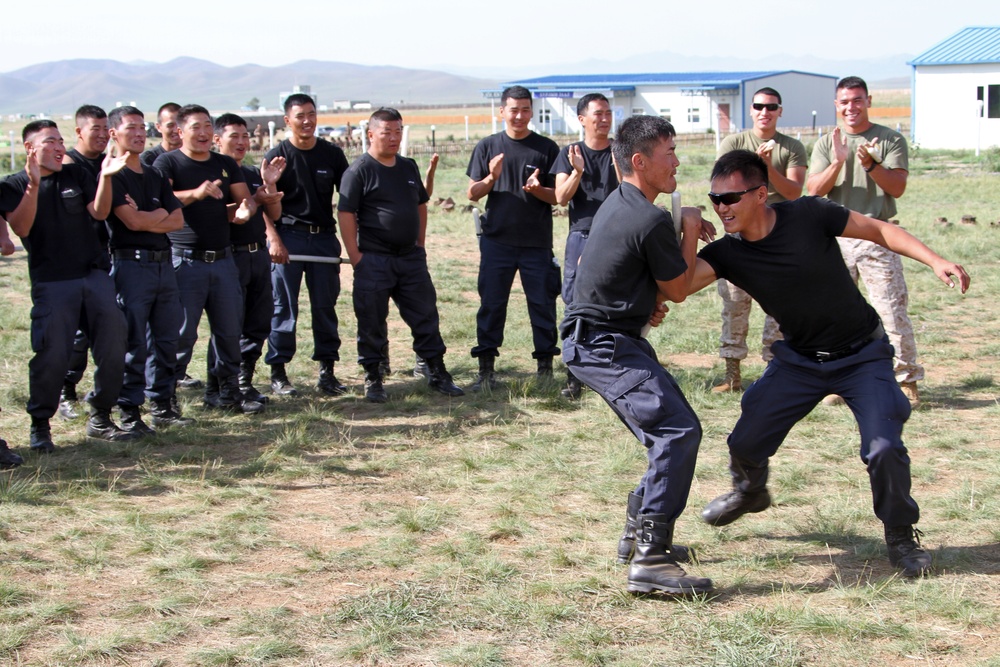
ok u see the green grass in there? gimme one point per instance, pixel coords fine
(481, 530)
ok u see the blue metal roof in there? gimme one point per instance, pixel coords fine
(713, 79)
(967, 46)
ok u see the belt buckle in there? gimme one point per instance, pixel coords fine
(138, 255)
(314, 229)
(253, 247)
(823, 356)
(209, 256)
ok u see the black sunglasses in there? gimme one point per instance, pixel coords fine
(730, 198)
(757, 106)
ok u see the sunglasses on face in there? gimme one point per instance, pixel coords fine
(758, 106)
(729, 198)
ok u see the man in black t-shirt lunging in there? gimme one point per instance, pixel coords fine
(631, 263)
(513, 168)
(383, 222)
(787, 258)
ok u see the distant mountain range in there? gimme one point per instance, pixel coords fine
(60, 87)
(57, 88)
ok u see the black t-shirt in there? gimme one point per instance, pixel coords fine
(63, 243)
(206, 222)
(91, 164)
(632, 245)
(798, 276)
(386, 201)
(513, 216)
(148, 157)
(598, 181)
(254, 229)
(308, 182)
(150, 191)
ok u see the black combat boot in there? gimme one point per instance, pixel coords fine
(67, 402)
(168, 413)
(328, 382)
(212, 390)
(131, 420)
(626, 544)
(654, 567)
(8, 459)
(749, 494)
(374, 391)
(905, 552)
(439, 379)
(232, 400)
(420, 368)
(279, 381)
(247, 369)
(544, 368)
(486, 379)
(188, 382)
(573, 387)
(40, 436)
(101, 426)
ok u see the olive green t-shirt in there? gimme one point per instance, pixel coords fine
(787, 153)
(854, 188)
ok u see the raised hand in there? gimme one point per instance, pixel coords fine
(272, 170)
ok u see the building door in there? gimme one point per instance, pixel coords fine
(723, 118)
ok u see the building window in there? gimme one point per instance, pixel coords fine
(638, 111)
(665, 114)
(694, 115)
(544, 116)
(993, 102)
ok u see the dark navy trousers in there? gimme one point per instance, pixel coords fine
(624, 371)
(541, 283)
(58, 309)
(258, 301)
(575, 243)
(793, 385)
(150, 300)
(405, 279)
(212, 288)
(323, 283)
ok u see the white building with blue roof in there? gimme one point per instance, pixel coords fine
(692, 101)
(956, 91)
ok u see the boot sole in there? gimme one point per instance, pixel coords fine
(642, 587)
(726, 518)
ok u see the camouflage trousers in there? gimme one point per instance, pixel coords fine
(736, 323)
(881, 270)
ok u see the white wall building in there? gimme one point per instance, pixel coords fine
(956, 91)
(692, 101)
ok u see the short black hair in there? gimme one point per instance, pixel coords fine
(768, 90)
(90, 111)
(227, 119)
(298, 100)
(581, 106)
(172, 107)
(385, 115)
(116, 115)
(852, 82)
(514, 93)
(639, 134)
(35, 127)
(747, 164)
(189, 110)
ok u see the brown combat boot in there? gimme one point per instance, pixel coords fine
(732, 381)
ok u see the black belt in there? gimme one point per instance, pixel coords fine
(312, 229)
(140, 255)
(581, 328)
(394, 252)
(877, 334)
(248, 247)
(207, 256)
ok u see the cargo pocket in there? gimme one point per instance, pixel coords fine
(40, 316)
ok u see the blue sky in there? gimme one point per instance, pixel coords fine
(459, 35)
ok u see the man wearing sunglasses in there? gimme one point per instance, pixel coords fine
(631, 263)
(864, 167)
(786, 258)
(785, 158)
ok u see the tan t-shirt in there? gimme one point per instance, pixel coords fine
(787, 153)
(854, 188)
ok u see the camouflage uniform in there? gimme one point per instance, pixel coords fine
(880, 269)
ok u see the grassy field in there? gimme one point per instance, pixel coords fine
(481, 531)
